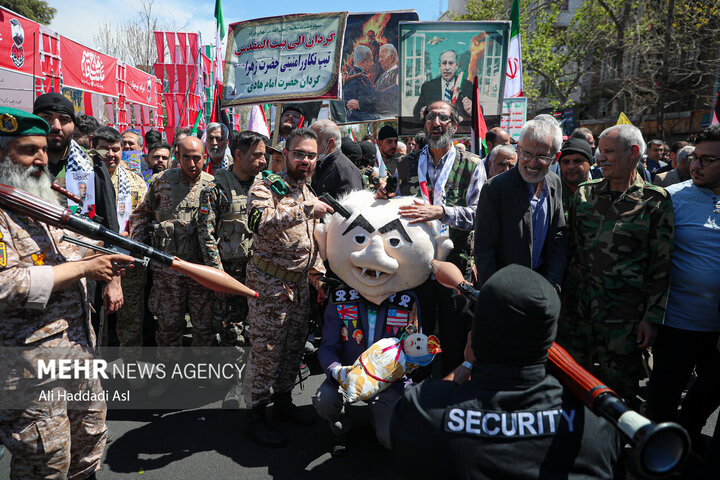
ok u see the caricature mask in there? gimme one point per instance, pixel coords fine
(375, 251)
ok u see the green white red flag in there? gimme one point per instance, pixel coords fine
(513, 73)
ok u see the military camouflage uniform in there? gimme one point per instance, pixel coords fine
(226, 243)
(167, 218)
(619, 261)
(567, 196)
(131, 314)
(284, 247)
(49, 439)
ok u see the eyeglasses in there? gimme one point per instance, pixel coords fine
(301, 154)
(527, 156)
(705, 161)
(444, 117)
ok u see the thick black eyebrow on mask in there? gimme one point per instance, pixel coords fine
(395, 225)
(360, 222)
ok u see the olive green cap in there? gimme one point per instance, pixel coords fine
(18, 123)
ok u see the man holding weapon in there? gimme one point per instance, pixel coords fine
(44, 303)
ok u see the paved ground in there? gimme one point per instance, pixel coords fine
(207, 443)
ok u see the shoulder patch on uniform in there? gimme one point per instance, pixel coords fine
(344, 294)
(254, 219)
(656, 188)
(401, 300)
(204, 209)
(3, 254)
(276, 183)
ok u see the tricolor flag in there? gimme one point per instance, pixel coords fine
(258, 122)
(716, 111)
(479, 127)
(513, 75)
(219, 35)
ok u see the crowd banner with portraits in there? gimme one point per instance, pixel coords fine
(370, 93)
(285, 58)
(439, 61)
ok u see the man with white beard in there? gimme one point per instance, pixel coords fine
(44, 303)
(216, 143)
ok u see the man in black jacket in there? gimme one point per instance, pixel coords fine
(511, 419)
(65, 158)
(520, 215)
(335, 173)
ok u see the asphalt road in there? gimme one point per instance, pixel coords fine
(207, 443)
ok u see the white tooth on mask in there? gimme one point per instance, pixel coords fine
(364, 270)
(377, 273)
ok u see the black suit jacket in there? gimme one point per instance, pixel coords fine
(430, 92)
(336, 175)
(503, 227)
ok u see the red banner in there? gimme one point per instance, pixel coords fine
(140, 87)
(182, 39)
(86, 69)
(160, 44)
(193, 43)
(170, 37)
(19, 43)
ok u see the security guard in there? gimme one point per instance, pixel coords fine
(167, 218)
(45, 312)
(512, 419)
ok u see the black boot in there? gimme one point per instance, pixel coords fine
(258, 429)
(286, 411)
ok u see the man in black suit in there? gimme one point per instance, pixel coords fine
(447, 87)
(520, 215)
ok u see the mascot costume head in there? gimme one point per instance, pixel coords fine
(375, 251)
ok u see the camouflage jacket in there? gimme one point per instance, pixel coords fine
(222, 221)
(283, 226)
(167, 216)
(619, 254)
(31, 312)
(567, 196)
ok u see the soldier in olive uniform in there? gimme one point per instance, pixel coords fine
(283, 213)
(225, 239)
(44, 303)
(167, 219)
(619, 260)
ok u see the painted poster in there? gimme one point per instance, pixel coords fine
(370, 67)
(439, 61)
(83, 185)
(279, 59)
(133, 158)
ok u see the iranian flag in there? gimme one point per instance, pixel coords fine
(219, 35)
(513, 75)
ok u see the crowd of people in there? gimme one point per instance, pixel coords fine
(603, 241)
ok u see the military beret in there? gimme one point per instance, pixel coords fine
(18, 123)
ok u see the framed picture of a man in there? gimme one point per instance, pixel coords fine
(439, 60)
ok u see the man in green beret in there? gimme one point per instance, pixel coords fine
(44, 303)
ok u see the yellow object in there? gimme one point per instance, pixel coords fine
(623, 119)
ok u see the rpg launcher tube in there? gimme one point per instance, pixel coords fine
(660, 448)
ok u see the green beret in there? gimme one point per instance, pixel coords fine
(18, 123)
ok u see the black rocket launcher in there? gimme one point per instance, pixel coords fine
(24, 203)
(659, 448)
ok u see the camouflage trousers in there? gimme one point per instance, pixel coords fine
(229, 314)
(171, 297)
(278, 322)
(130, 316)
(52, 437)
(609, 352)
